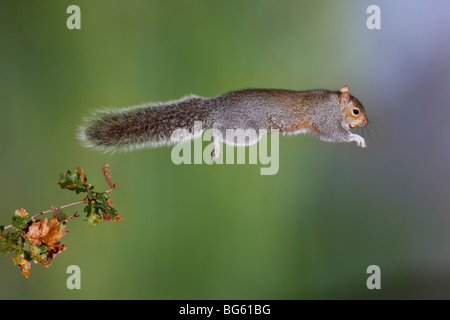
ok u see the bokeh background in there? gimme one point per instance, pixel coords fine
(225, 231)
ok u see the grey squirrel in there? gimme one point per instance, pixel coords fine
(328, 114)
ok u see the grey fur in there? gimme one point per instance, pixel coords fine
(284, 111)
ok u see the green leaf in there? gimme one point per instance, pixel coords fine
(19, 248)
(9, 242)
(33, 252)
(19, 223)
(103, 205)
(72, 181)
(38, 253)
(5, 246)
(93, 216)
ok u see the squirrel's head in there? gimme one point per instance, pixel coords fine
(352, 109)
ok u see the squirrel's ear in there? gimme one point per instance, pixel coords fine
(344, 89)
(344, 98)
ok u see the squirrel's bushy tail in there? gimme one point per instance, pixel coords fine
(147, 125)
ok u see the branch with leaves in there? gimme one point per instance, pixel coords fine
(37, 240)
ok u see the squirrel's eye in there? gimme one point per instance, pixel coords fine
(355, 112)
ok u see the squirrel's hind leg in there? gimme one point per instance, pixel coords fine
(216, 151)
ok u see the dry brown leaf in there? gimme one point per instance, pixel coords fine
(36, 231)
(82, 176)
(40, 232)
(105, 170)
(53, 250)
(117, 218)
(54, 233)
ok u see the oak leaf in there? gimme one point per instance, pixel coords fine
(106, 174)
(24, 265)
(54, 233)
(53, 250)
(82, 176)
(40, 232)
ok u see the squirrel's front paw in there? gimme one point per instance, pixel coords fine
(360, 142)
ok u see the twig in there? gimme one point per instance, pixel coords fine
(114, 187)
(48, 211)
(76, 214)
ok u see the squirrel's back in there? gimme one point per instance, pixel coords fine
(272, 108)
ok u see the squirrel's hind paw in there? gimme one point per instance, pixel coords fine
(216, 151)
(214, 156)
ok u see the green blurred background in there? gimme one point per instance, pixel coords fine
(225, 231)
